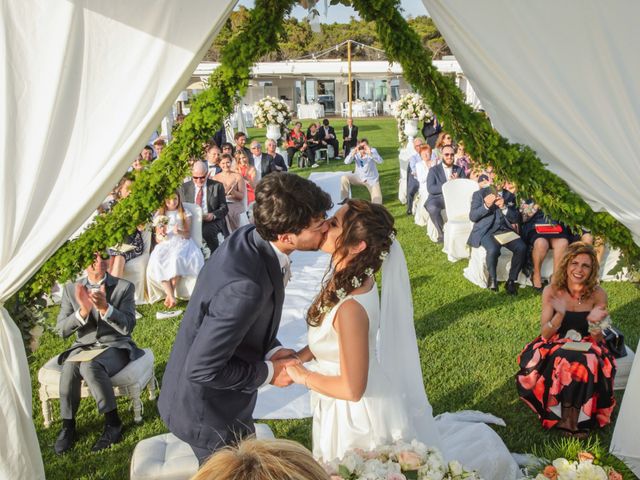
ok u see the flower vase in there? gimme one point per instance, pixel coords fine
(411, 128)
(273, 131)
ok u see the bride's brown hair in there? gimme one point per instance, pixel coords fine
(363, 221)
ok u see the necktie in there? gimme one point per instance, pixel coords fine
(199, 197)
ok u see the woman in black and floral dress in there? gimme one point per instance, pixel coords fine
(570, 390)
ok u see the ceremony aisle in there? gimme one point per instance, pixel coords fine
(468, 339)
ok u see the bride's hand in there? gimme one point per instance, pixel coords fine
(297, 373)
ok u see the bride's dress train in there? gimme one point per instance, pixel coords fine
(394, 405)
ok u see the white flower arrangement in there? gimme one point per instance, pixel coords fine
(341, 293)
(272, 111)
(583, 469)
(369, 272)
(383, 255)
(160, 220)
(356, 282)
(410, 107)
(398, 462)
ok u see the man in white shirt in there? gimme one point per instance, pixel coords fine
(366, 172)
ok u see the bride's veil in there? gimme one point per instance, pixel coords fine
(398, 347)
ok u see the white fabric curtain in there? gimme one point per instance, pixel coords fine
(84, 82)
(562, 77)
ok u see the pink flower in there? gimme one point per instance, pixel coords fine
(399, 476)
(585, 456)
(550, 472)
(613, 475)
(409, 460)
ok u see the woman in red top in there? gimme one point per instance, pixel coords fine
(296, 142)
(248, 173)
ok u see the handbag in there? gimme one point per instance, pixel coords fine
(614, 339)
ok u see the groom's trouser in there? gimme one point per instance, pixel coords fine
(226, 438)
(353, 179)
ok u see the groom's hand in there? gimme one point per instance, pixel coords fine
(283, 353)
(280, 376)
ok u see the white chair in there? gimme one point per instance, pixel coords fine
(185, 285)
(135, 270)
(624, 370)
(130, 382)
(457, 199)
(166, 457)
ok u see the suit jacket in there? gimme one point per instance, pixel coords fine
(436, 178)
(114, 331)
(490, 220)
(216, 201)
(332, 131)
(266, 166)
(217, 363)
(354, 134)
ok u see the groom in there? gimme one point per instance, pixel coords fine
(226, 347)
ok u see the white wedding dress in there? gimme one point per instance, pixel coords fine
(394, 405)
(380, 417)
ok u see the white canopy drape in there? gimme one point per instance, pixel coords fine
(84, 82)
(562, 77)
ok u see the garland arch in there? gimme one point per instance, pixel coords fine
(265, 27)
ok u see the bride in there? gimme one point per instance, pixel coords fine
(366, 382)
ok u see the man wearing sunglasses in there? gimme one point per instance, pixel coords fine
(209, 195)
(101, 311)
(438, 176)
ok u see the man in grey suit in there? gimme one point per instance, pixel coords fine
(226, 347)
(438, 176)
(208, 195)
(101, 311)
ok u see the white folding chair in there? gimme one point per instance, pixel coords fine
(457, 199)
(135, 270)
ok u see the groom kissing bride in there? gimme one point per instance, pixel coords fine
(362, 362)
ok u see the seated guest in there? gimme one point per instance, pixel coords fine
(568, 389)
(422, 168)
(253, 459)
(100, 310)
(314, 143)
(208, 195)
(234, 190)
(328, 135)
(212, 156)
(431, 130)
(463, 159)
(494, 213)
(366, 172)
(278, 161)
(147, 154)
(158, 145)
(349, 136)
(539, 242)
(296, 142)
(444, 139)
(412, 175)
(227, 148)
(483, 180)
(263, 162)
(248, 173)
(176, 254)
(438, 176)
(241, 140)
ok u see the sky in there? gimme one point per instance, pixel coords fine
(341, 14)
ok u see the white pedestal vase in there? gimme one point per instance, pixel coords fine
(273, 131)
(410, 130)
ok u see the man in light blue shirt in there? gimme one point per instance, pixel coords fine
(366, 172)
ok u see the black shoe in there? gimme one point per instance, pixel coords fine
(492, 284)
(112, 434)
(66, 439)
(511, 287)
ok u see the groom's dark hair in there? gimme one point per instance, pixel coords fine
(287, 203)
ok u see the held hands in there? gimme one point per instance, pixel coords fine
(281, 376)
(297, 373)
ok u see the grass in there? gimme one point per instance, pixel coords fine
(469, 339)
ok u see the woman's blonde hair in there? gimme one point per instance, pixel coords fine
(254, 459)
(560, 279)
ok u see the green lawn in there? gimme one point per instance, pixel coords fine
(468, 337)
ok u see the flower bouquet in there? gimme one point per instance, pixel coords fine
(400, 461)
(584, 468)
(160, 222)
(271, 111)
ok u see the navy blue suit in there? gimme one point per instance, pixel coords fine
(435, 203)
(210, 384)
(492, 220)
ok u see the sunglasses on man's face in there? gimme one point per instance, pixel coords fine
(198, 178)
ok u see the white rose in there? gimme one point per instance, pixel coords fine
(352, 462)
(588, 471)
(565, 468)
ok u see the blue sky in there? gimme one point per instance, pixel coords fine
(341, 14)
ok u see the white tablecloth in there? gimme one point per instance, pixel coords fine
(313, 110)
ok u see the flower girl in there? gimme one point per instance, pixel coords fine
(176, 254)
